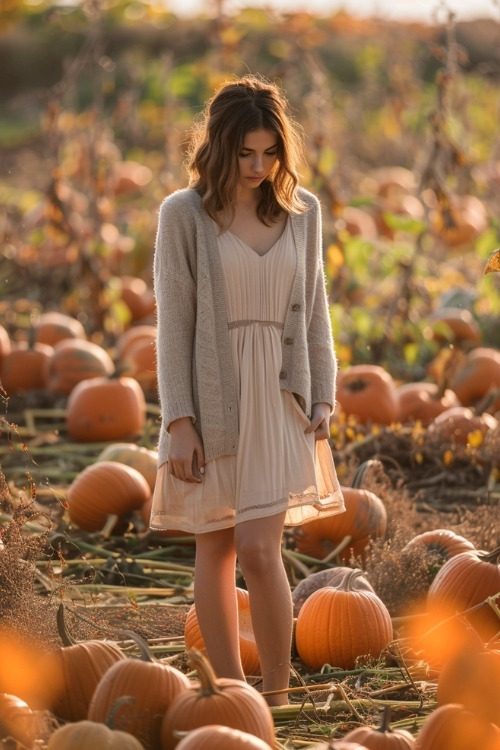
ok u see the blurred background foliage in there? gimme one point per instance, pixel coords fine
(401, 122)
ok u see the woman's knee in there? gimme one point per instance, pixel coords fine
(256, 555)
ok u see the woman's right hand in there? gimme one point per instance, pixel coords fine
(186, 459)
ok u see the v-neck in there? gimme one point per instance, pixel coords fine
(259, 255)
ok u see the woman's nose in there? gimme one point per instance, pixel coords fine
(257, 164)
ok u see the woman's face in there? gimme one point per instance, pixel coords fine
(257, 157)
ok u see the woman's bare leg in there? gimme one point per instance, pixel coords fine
(258, 545)
(216, 602)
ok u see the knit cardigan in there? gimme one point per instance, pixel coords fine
(195, 372)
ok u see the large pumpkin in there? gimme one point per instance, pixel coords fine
(137, 296)
(138, 457)
(364, 519)
(455, 324)
(18, 722)
(456, 425)
(339, 626)
(54, 326)
(441, 544)
(103, 489)
(423, 401)
(465, 581)
(368, 394)
(132, 336)
(329, 577)
(232, 703)
(471, 677)
(383, 737)
(151, 687)
(452, 727)
(74, 360)
(248, 648)
(139, 362)
(101, 409)
(479, 375)
(91, 735)
(219, 737)
(24, 367)
(77, 668)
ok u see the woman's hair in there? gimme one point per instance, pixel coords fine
(248, 104)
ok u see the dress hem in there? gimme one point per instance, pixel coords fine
(322, 509)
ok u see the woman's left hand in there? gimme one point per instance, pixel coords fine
(320, 421)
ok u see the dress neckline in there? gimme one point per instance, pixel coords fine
(255, 252)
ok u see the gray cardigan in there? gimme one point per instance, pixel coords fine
(195, 375)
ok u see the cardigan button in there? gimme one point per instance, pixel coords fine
(296, 307)
(288, 341)
(283, 375)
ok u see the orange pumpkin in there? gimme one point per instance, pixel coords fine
(137, 296)
(24, 368)
(453, 727)
(77, 668)
(383, 737)
(139, 362)
(365, 518)
(423, 401)
(440, 543)
(332, 627)
(74, 360)
(459, 221)
(130, 176)
(219, 737)
(248, 648)
(152, 686)
(467, 580)
(18, 722)
(320, 579)
(455, 324)
(478, 375)
(101, 409)
(140, 458)
(455, 426)
(91, 735)
(471, 677)
(368, 394)
(103, 489)
(52, 327)
(233, 703)
(132, 335)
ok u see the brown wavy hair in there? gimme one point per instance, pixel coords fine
(237, 108)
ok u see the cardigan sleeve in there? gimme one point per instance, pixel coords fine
(322, 359)
(174, 279)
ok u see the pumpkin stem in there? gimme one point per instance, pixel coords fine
(357, 481)
(492, 557)
(347, 583)
(66, 638)
(141, 644)
(119, 702)
(386, 720)
(208, 679)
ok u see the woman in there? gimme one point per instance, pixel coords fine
(246, 369)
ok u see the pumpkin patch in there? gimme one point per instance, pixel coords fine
(396, 625)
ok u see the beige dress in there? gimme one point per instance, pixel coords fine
(277, 467)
